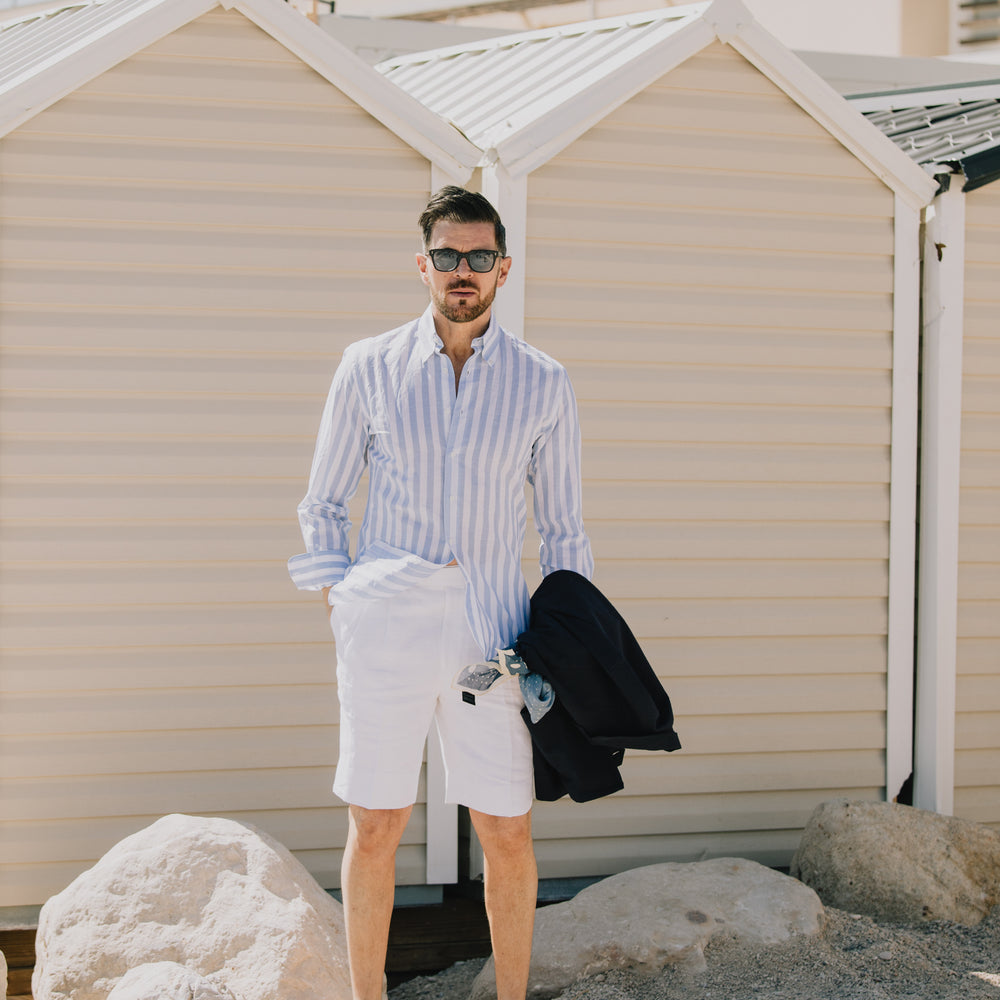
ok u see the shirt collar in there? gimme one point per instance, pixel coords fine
(487, 345)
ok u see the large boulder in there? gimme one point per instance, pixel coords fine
(221, 898)
(167, 981)
(3, 973)
(650, 917)
(900, 864)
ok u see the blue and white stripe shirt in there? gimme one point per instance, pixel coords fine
(446, 473)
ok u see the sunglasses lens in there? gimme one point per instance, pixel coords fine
(481, 260)
(444, 260)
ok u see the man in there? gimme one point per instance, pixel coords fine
(451, 414)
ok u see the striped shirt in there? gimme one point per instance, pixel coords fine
(446, 473)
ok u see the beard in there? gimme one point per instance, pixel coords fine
(464, 312)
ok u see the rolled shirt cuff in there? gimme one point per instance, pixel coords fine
(316, 570)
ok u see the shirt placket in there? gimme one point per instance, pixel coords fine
(455, 452)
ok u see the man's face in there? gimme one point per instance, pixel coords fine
(462, 295)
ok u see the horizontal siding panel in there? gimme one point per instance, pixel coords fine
(742, 308)
(167, 333)
(41, 541)
(646, 816)
(746, 617)
(981, 468)
(222, 624)
(606, 856)
(104, 116)
(625, 382)
(979, 693)
(163, 419)
(240, 81)
(670, 148)
(717, 69)
(979, 543)
(621, 421)
(662, 342)
(78, 798)
(981, 281)
(781, 200)
(977, 655)
(203, 290)
(204, 163)
(156, 667)
(77, 376)
(979, 506)
(283, 252)
(745, 501)
(724, 658)
(144, 709)
(979, 582)
(647, 774)
(720, 578)
(979, 619)
(977, 768)
(981, 431)
(706, 461)
(979, 805)
(107, 498)
(796, 695)
(664, 540)
(693, 233)
(980, 323)
(162, 581)
(627, 266)
(155, 752)
(132, 455)
(977, 731)
(219, 35)
(783, 732)
(237, 207)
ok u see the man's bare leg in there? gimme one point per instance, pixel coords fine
(368, 881)
(511, 895)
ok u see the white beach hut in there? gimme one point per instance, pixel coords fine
(953, 132)
(726, 256)
(201, 204)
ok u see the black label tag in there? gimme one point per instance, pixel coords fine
(468, 697)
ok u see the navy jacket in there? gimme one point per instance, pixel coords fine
(607, 696)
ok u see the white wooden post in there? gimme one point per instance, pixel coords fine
(944, 287)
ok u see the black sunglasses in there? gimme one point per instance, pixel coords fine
(480, 261)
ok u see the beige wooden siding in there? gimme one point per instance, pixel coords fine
(186, 246)
(977, 724)
(717, 274)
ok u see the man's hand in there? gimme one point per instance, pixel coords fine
(326, 598)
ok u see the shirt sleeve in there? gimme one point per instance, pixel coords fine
(555, 475)
(338, 462)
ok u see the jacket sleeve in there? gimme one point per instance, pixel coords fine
(555, 475)
(338, 462)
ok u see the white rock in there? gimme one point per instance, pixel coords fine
(218, 897)
(167, 981)
(650, 917)
(894, 862)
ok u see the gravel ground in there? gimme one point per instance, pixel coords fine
(854, 958)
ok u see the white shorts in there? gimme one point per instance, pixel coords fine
(396, 659)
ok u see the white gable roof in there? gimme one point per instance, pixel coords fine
(45, 56)
(522, 98)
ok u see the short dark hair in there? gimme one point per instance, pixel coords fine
(455, 204)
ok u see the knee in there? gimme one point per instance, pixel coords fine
(505, 836)
(377, 831)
